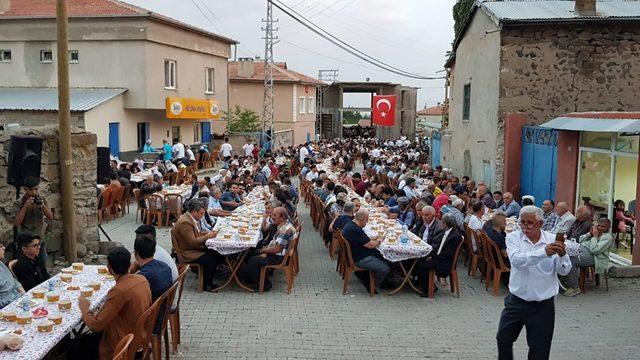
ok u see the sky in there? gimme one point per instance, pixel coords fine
(412, 35)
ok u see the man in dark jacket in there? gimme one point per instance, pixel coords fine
(432, 229)
(441, 257)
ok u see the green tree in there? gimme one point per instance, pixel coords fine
(242, 120)
(461, 11)
(351, 117)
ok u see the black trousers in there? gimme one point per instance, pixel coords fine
(538, 317)
(209, 261)
(421, 271)
(251, 269)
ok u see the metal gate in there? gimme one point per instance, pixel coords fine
(538, 164)
(436, 140)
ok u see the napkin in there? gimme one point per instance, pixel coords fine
(11, 342)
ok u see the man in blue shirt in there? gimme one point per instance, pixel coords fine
(214, 207)
(509, 207)
(166, 151)
(157, 273)
(406, 215)
(363, 249)
(230, 199)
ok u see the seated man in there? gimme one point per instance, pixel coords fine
(29, 269)
(160, 254)
(441, 257)
(274, 252)
(10, 288)
(214, 206)
(565, 218)
(406, 215)
(582, 225)
(267, 228)
(348, 212)
(157, 273)
(550, 216)
(495, 231)
(594, 251)
(117, 317)
(231, 199)
(190, 243)
(432, 228)
(363, 249)
(509, 207)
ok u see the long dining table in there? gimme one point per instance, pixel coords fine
(405, 254)
(239, 233)
(38, 344)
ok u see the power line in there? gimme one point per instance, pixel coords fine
(328, 57)
(344, 46)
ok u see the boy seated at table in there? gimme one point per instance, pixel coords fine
(125, 302)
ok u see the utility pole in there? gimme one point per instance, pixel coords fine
(64, 132)
(268, 99)
(331, 76)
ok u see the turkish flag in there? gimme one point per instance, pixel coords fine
(383, 110)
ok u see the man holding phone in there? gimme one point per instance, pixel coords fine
(536, 260)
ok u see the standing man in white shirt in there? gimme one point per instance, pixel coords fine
(177, 150)
(226, 149)
(248, 148)
(536, 260)
(304, 152)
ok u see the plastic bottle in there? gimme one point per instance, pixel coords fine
(404, 238)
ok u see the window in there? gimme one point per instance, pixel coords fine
(143, 134)
(73, 57)
(196, 133)
(170, 74)
(5, 55)
(46, 56)
(209, 78)
(466, 102)
(311, 107)
(301, 105)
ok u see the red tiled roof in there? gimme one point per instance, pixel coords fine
(281, 74)
(75, 8)
(33, 9)
(434, 110)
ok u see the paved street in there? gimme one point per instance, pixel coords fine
(317, 322)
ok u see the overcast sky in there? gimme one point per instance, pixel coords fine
(412, 35)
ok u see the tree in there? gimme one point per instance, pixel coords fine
(350, 117)
(243, 120)
(461, 12)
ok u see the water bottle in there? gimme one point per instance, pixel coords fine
(404, 238)
(52, 286)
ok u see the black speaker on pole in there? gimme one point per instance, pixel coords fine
(103, 164)
(25, 154)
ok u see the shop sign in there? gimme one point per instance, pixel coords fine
(182, 108)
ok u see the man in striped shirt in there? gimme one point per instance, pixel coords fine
(550, 216)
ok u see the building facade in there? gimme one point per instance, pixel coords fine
(429, 119)
(161, 63)
(294, 99)
(538, 62)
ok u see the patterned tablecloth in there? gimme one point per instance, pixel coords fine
(241, 231)
(37, 345)
(392, 248)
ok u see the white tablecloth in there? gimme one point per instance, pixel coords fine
(249, 216)
(392, 249)
(36, 344)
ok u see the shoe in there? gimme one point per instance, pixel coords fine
(571, 292)
(210, 288)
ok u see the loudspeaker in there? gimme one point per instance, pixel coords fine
(24, 158)
(103, 165)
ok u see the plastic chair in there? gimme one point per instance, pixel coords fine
(174, 315)
(584, 273)
(144, 327)
(495, 263)
(137, 194)
(453, 276)
(350, 267)
(286, 265)
(122, 351)
(176, 247)
(104, 199)
(154, 204)
(156, 339)
(173, 204)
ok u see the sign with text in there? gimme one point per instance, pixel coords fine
(182, 108)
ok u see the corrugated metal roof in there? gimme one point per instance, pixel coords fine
(46, 99)
(594, 124)
(523, 11)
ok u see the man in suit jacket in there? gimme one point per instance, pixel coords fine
(441, 257)
(190, 241)
(432, 228)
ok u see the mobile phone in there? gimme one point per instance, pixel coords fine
(560, 237)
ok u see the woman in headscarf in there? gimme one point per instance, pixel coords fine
(147, 147)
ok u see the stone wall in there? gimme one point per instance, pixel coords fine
(553, 70)
(84, 184)
(282, 139)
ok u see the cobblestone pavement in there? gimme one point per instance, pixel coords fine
(317, 322)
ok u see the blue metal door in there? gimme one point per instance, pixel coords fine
(114, 139)
(206, 131)
(435, 148)
(538, 164)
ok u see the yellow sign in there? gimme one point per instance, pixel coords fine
(181, 108)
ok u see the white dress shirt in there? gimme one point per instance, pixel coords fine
(226, 149)
(534, 275)
(248, 149)
(425, 235)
